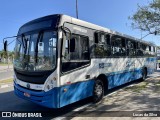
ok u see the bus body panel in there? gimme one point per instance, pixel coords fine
(74, 92)
(48, 99)
(110, 67)
(57, 97)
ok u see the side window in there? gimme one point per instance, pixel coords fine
(152, 51)
(84, 43)
(76, 54)
(118, 46)
(99, 45)
(107, 46)
(19, 49)
(131, 48)
(139, 49)
(147, 53)
(102, 46)
(78, 58)
(149, 50)
(144, 47)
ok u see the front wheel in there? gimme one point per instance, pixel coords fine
(98, 91)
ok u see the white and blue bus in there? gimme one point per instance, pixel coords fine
(60, 60)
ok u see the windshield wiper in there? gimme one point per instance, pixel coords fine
(23, 40)
(36, 49)
(24, 44)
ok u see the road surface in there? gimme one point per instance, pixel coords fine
(5, 74)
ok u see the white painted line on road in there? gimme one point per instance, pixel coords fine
(4, 86)
(11, 85)
(59, 118)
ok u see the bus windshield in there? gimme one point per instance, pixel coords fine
(36, 52)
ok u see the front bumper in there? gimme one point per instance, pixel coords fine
(48, 99)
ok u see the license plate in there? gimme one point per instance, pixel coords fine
(27, 94)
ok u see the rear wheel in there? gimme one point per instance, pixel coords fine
(98, 91)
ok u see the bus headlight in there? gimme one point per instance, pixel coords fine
(50, 84)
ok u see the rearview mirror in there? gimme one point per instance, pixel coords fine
(5, 45)
(72, 45)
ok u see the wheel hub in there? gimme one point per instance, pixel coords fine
(98, 90)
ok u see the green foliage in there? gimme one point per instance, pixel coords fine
(3, 54)
(147, 18)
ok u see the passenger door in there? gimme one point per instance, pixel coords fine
(74, 80)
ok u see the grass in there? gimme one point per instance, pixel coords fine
(157, 85)
(138, 87)
(4, 64)
(6, 81)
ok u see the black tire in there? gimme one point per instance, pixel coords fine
(98, 91)
(144, 74)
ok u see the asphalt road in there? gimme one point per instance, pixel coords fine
(11, 103)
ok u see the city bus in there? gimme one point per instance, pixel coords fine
(60, 60)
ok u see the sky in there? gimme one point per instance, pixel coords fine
(112, 14)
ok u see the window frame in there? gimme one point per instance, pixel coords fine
(97, 35)
(78, 68)
(122, 38)
(134, 47)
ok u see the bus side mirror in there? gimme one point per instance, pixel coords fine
(5, 45)
(72, 45)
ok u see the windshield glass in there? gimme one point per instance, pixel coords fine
(36, 52)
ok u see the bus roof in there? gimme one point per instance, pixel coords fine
(69, 19)
(66, 18)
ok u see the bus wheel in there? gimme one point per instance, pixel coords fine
(98, 91)
(144, 74)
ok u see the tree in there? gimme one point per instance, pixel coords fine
(147, 18)
(11, 56)
(3, 55)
